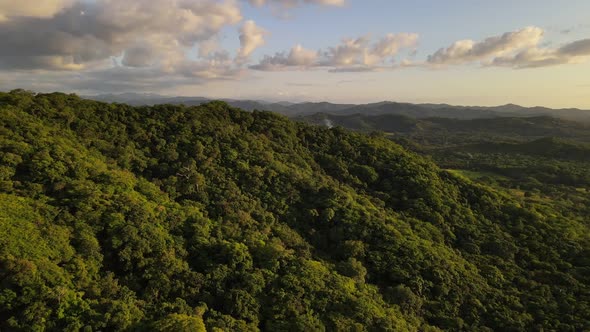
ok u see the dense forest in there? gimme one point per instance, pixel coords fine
(543, 159)
(210, 218)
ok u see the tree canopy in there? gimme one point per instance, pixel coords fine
(176, 218)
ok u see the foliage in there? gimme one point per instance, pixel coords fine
(115, 217)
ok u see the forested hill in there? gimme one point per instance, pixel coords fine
(442, 131)
(174, 218)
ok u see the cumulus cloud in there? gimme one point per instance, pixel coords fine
(298, 57)
(349, 53)
(534, 57)
(293, 3)
(113, 45)
(392, 43)
(85, 32)
(251, 37)
(517, 49)
(465, 51)
(358, 54)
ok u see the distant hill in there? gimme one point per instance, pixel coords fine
(418, 111)
(550, 147)
(460, 130)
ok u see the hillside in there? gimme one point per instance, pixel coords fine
(549, 147)
(177, 218)
(441, 131)
(540, 164)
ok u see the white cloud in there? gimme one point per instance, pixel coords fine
(350, 55)
(466, 51)
(534, 57)
(392, 43)
(298, 57)
(517, 49)
(350, 52)
(251, 37)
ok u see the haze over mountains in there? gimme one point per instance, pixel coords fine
(417, 111)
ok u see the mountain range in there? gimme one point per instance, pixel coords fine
(417, 111)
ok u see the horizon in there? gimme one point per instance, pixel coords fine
(278, 101)
(303, 50)
(296, 102)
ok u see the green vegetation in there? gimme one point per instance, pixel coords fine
(541, 159)
(176, 218)
(441, 131)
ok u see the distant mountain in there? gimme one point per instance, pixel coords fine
(458, 131)
(420, 111)
(416, 111)
(139, 99)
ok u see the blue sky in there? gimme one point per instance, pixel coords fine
(438, 22)
(456, 51)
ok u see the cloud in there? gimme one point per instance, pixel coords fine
(347, 54)
(577, 48)
(123, 78)
(392, 43)
(251, 37)
(351, 55)
(208, 47)
(530, 58)
(517, 49)
(140, 55)
(298, 57)
(571, 53)
(294, 3)
(466, 51)
(218, 65)
(112, 45)
(47, 62)
(85, 32)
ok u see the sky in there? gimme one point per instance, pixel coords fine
(477, 52)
